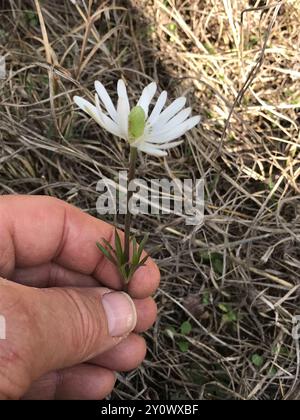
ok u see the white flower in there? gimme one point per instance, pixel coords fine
(152, 134)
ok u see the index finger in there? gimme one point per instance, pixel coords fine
(37, 230)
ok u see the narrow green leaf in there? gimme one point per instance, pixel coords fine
(142, 262)
(224, 307)
(108, 245)
(134, 244)
(135, 257)
(131, 272)
(142, 244)
(103, 250)
(106, 253)
(123, 273)
(118, 247)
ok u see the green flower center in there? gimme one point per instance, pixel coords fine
(136, 123)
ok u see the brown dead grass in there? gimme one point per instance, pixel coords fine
(236, 278)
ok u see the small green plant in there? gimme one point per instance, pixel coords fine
(206, 298)
(216, 261)
(183, 346)
(31, 18)
(229, 316)
(184, 330)
(118, 257)
(273, 371)
(257, 360)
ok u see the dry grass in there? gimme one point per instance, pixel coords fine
(236, 279)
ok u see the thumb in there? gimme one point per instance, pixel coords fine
(49, 329)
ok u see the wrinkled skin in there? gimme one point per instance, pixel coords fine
(52, 282)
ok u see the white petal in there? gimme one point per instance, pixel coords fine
(105, 121)
(193, 121)
(175, 132)
(122, 92)
(151, 150)
(123, 114)
(87, 107)
(171, 110)
(167, 146)
(173, 122)
(158, 107)
(105, 98)
(123, 109)
(146, 97)
(180, 117)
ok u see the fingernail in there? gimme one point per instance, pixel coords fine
(120, 312)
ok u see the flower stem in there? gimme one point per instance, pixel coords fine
(131, 175)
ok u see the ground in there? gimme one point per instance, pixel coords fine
(230, 288)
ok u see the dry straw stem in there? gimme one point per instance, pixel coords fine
(236, 277)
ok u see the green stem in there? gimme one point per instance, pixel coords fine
(131, 175)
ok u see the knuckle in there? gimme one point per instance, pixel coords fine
(85, 319)
(14, 375)
(57, 274)
(14, 354)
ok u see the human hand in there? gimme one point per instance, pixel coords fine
(67, 330)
